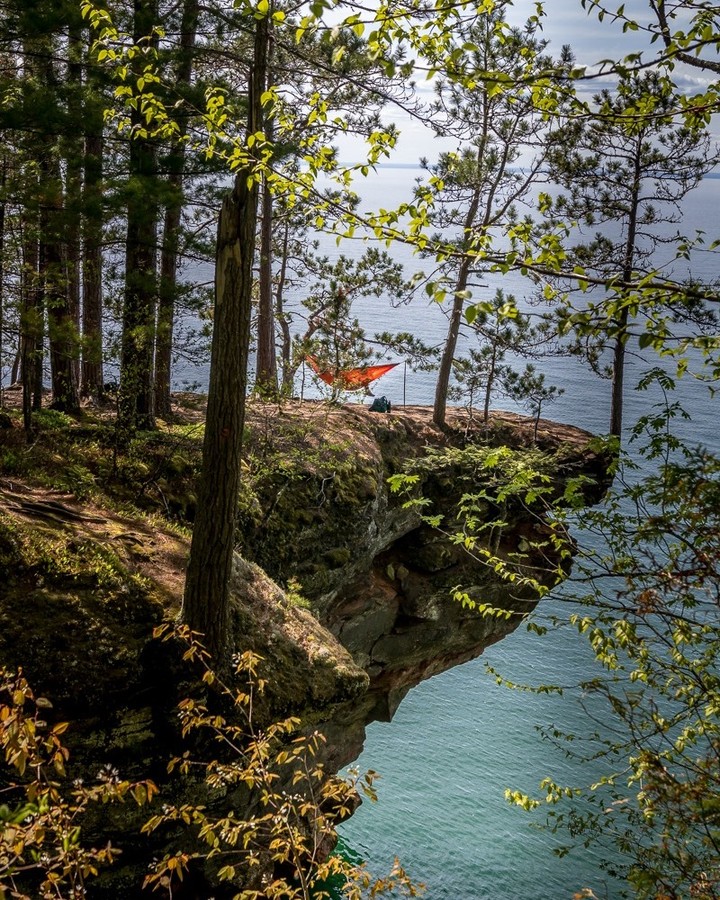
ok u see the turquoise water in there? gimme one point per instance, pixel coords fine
(459, 740)
(455, 744)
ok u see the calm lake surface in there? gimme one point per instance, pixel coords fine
(459, 740)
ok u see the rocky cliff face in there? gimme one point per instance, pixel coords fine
(376, 574)
(365, 611)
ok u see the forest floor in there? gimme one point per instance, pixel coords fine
(146, 546)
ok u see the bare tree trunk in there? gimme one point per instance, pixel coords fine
(92, 375)
(136, 400)
(74, 278)
(448, 355)
(55, 236)
(53, 273)
(206, 602)
(135, 405)
(169, 257)
(446, 361)
(3, 179)
(206, 599)
(618, 376)
(266, 382)
(266, 365)
(31, 324)
(286, 350)
(621, 323)
(92, 355)
(489, 385)
(166, 302)
(73, 195)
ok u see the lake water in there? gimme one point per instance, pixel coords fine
(459, 740)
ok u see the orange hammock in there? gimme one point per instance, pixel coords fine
(349, 379)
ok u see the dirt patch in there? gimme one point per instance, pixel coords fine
(144, 545)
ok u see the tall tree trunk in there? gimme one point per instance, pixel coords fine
(621, 322)
(55, 229)
(3, 179)
(286, 352)
(31, 322)
(166, 301)
(135, 402)
(489, 384)
(169, 257)
(266, 365)
(618, 374)
(266, 382)
(206, 602)
(62, 333)
(16, 366)
(448, 354)
(92, 377)
(445, 369)
(73, 153)
(36, 330)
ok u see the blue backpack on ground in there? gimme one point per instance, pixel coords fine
(380, 404)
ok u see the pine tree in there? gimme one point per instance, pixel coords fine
(628, 168)
(477, 188)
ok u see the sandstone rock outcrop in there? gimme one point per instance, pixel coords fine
(375, 573)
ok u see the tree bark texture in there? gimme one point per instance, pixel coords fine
(206, 602)
(286, 345)
(3, 178)
(135, 402)
(266, 366)
(169, 256)
(62, 330)
(166, 301)
(266, 376)
(73, 152)
(32, 323)
(92, 378)
(448, 354)
(621, 323)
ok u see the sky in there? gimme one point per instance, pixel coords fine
(565, 22)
